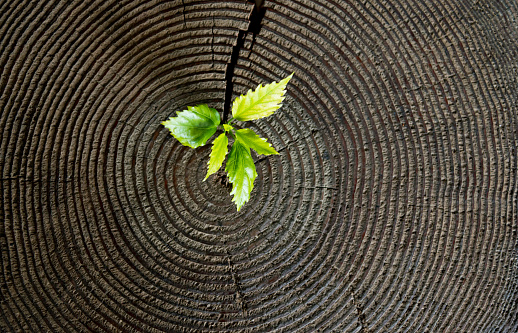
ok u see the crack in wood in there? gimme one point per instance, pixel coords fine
(320, 187)
(183, 13)
(212, 41)
(359, 312)
(254, 26)
(240, 299)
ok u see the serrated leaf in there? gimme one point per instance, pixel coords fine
(252, 140)
(194, 126)
(241, 173)
(217, 155)
(261, 102)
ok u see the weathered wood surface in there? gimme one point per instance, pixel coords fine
(391, 208)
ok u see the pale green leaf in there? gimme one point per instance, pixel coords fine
(194, 126)
(241, 173)
(252, 140)
(260, 103)
(218, 153)
(227, 127)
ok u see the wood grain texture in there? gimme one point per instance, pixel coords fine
(392, 206)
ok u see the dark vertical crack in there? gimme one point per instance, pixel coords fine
(212, 42)
(254, 26)
(359, 312)
(239, 294)
(183, 12)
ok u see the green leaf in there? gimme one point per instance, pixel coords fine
(194, 126)
(217, 155)
(252, 140)
(241, 173)
(227, 127)
(260, 103)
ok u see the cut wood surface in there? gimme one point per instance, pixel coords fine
(392, 206)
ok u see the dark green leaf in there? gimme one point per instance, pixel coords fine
(194, 126)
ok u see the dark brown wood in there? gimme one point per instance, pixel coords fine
(392, 206)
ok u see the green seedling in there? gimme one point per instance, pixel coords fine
(194, 126)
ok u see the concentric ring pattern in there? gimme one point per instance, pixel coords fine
(392, 206)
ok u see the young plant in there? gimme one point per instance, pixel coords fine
(194, 126)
